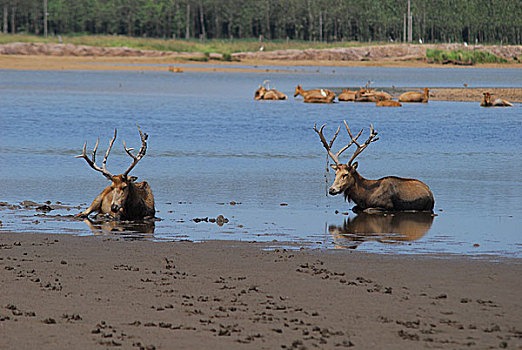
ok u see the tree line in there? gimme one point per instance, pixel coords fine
(472, 21)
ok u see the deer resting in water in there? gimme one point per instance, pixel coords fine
(413, 96)
(498, 102)
(268, 94)
(388, 103)
(124, 199)
(389, 193)
(315, 95)
(347, 95)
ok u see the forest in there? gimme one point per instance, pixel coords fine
(471, 21)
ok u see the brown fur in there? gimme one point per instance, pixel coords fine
(488, 102)
(347, 95)
(315, 95)
(388, 193)
(388, 103)
(367, 95)
(413, 96)
(263, 94)
(124, 200)
(318, 98)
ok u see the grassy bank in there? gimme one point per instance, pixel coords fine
(180, 45)
(462, 57)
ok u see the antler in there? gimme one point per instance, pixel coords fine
(141, 152)
(328, 146)
(360, 148)
(92, 162)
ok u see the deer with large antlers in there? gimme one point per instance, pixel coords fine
(124, 199)
(389, 193)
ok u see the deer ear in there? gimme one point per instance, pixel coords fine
(132, 178)
(355, 165)
(334, 166)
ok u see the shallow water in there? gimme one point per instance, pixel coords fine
(211, 144)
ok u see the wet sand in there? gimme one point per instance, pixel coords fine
(101, 292)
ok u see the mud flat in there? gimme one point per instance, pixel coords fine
(68, 292)
(474, 94)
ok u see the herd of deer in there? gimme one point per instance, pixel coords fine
(380, 98)
(124, 199)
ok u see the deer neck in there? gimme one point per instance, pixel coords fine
(360, 190)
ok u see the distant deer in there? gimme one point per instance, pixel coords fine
(315, 95)
(414, 96)
(346, 95)
(389, 193)
(263, 93)
(498, 102)
(370, 95)
(388, 103)
(364, 95)
(123, 199)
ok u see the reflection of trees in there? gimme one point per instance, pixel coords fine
(130, 229)
(384, 228)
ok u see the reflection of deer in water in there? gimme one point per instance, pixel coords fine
(390, 193)
(397, 227)
(146, 226)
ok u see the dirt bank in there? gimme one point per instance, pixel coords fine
(474, 94)
(395, 52)
(375, 53)
(66, 292)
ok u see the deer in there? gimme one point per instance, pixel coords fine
(315, 95)
(263, 93)
(498, 102)
(124, 199)
(347, 96)
(414, 96)
(387, 194)
(388, 103)
(370, 95)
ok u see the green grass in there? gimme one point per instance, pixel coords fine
(223, 46)
(463, 57)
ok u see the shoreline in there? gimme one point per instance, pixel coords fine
(98, 292)
(65, 62)
(57, 63)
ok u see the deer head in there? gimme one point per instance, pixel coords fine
(345, 174)
(486, 98)
(260, 92)
(298, 90)
(121, 184)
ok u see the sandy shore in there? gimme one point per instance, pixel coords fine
(67, 292)
(24, 62)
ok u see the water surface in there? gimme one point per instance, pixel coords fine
(211, 144)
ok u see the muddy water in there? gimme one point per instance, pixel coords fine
(214, 150)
